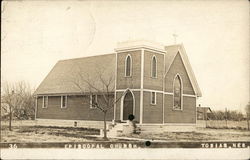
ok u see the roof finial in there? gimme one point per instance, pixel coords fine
(175, 37)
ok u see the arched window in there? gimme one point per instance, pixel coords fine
(154, 67)
(128, 66)
(177, 93)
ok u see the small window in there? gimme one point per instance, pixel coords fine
(63, 101)
(45, 102)
(154, 67)
(128, 66)
(93, 101)
(153, 98)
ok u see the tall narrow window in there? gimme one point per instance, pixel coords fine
(45, 102)
(63, 101)
(154, 67)
(128, 66)
(153, 97)
(177, 93)
(93, 101)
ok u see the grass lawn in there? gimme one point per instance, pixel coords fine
(46, 134)
(26, 131)
(201, 134)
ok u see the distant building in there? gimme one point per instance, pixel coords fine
(204, 113)
(159, 85)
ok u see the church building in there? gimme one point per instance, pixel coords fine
(152, 82)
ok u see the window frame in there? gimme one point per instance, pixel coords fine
(91, 100)
(151, 98)
(45, 101)
(152, 59)
(181, 87)
(66, 101)
(130, 72)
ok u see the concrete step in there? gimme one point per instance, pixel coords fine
(116, 129)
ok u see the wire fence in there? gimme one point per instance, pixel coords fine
(222, 124)
(227, 124)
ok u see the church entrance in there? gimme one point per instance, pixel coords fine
(128, 105)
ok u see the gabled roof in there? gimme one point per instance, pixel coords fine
(172, 51)
(170, 55)
(204, 109)
(63, 77)
(65, 74)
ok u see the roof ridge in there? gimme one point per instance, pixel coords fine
(86, 57)
(179, 44)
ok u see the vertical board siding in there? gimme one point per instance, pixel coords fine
(135, 80)
(187, 115)
(78, 108)
(178, 67)
(152, 113)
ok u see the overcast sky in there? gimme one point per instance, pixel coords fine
(215, 34)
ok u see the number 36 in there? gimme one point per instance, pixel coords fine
(12, 146)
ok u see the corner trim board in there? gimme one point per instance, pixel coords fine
(141, 89)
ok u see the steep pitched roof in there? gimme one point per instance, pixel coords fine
(66, 74)
(204, 109)
(172, 51)
(170, 55)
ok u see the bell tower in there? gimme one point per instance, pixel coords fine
(130, 76)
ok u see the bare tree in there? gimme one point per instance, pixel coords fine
(233, 115)
(17, 100)
(100, 83)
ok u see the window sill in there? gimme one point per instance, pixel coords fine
(177, 109)
(153, 77)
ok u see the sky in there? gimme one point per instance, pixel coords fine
(215, 34)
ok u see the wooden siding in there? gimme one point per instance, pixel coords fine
(152, 113)
(187, 115)
(178, 67)
(149, 82)
(78, 108)
(134, 81)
